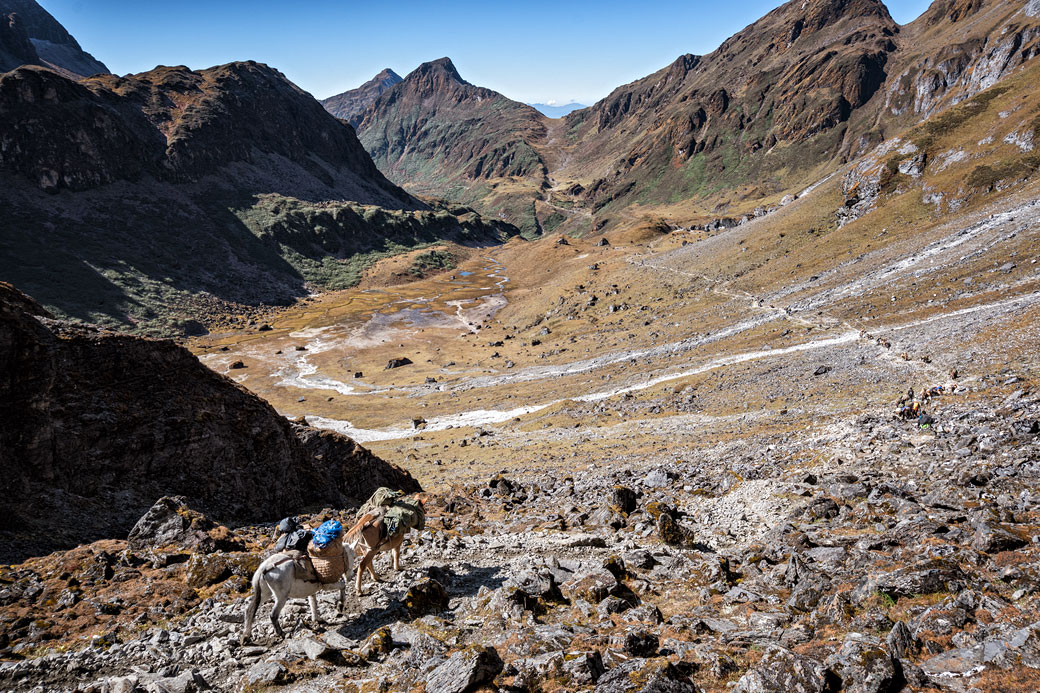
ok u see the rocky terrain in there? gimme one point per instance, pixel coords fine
(350, 104)
(98, 425)
(864, 555)
(664, 456)
(29, 35)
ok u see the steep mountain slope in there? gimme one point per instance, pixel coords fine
(772, 99)
(954, 50)
(29, 35)
(350, 104)
(176, 125)
(129, 198)
(776, 107)
(778, 104)
(97, 426)
(437, 134)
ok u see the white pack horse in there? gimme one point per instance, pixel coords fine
(277, 578)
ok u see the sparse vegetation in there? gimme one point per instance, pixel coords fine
(431, 261)
(949, 120)
(987, 177)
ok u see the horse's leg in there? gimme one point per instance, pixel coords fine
(280, 598)
(366, 562)
(396, 552)
(342, 595)
(313, 599)
(376, 548)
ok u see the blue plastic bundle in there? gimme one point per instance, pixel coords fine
(327, 533)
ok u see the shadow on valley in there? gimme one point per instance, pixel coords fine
(155, 261)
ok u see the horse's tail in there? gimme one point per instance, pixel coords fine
(253, 605)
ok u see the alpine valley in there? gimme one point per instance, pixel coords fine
(646, 363)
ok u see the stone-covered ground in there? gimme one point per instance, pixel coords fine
(892, 558)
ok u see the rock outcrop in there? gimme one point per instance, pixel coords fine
(98, 425)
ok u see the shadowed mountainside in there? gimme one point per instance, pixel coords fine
(29, 35)
(131, 199)
(98, 425)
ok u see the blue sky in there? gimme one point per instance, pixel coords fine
(535, 51)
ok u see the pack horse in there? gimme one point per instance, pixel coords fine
(295, 575)
(382, 525)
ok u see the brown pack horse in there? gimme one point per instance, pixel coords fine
(369, 536)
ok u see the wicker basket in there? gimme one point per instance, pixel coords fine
(329, 562)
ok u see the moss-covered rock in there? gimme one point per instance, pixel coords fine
(426, 597)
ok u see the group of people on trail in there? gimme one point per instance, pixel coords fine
(910, 407)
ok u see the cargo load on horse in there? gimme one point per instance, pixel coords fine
(388, 518)
(328, 555)
(382, 498)
(291, 535)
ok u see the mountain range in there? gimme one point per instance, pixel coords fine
(148, 201)
(750, 406)
(557, 111)
(248, 172)
(807, 87)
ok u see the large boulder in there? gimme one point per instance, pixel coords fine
(656, 675)
(171, 524)
(783, 671)
(864, 666)
(426, 597)
(465, 669)
(928, 577)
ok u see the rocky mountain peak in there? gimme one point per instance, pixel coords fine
(682, 65)
(387, 77)
(951, 10)
(818, 14)
(24, 23)
(435, 76)
(350, 104)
